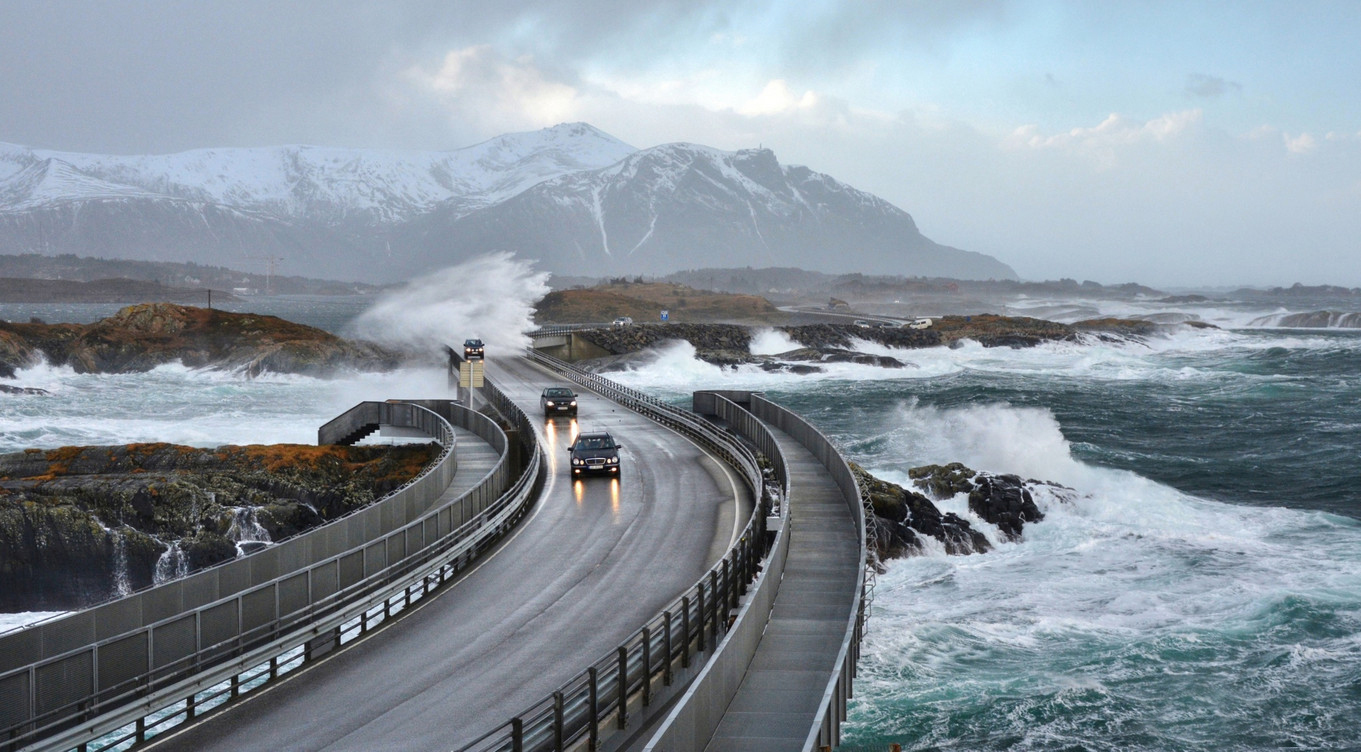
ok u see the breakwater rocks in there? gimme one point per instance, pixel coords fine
(1312, 320)
(141, 337)
(904, 517)
(79, 525)
(729, 344)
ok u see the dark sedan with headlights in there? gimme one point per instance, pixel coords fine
(558, 400)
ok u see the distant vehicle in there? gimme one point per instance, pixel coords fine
(623, 321)
(558, 400)
(472, 349)
(862, 322)
(919, 324)
(594, 453)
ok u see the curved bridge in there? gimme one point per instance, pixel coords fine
(661, 668)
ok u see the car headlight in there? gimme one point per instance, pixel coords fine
(573, 403)
(614, 460)
(576, 461)
(549, 403)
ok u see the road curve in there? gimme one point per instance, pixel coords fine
(592, 562)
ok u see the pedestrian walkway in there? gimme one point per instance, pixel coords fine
(778, 700)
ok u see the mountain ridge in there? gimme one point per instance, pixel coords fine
(571, 197)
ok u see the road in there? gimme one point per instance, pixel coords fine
(591, 563)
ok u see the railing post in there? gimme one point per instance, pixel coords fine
(517, 735)
(729, 591)
(557, 722)
(594, 702)
(685, 632)
(700, 611)
(623, 687)
(713, 596)
(666, 667)
(647, 666)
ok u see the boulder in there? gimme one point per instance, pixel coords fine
(903, 516)
(1004, 501)
(943, 481)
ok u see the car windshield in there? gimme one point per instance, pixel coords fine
(557, 392)
(595, 442)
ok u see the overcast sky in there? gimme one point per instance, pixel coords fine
(1176, 143)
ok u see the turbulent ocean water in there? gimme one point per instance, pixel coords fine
(1200, 590)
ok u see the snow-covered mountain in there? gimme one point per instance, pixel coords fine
(683, 206)
(571, 196)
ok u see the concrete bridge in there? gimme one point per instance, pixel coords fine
(711, 598)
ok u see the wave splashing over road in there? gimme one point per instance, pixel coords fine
(491, 297)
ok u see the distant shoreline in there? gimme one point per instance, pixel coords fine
(28, 290)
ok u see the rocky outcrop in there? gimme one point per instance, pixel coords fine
(724, 344)
(81, 524)
(903, 516)
(141, 337)
(1002, 500)
(7, 389)
(729, 344)
(1312, 320)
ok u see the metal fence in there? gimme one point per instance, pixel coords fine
(832, 709)
(651, 666)
(100, 669)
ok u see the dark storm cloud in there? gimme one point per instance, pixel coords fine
(161, 75)
(1210, 87)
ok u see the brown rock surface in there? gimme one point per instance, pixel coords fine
(141, 337)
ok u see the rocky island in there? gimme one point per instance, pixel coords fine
(79, 525)
(730, 344)
(141, 337)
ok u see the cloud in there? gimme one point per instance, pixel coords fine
(1105, 141)
(1304, 143)
(1210, 87)
(479, 84)
(1301, 144)
(777, 98)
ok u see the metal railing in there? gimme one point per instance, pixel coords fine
(826, 731)
(649, 666)
(552, 329)
(724, 679)
(129, 686)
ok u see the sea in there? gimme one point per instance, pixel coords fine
(1197, 586)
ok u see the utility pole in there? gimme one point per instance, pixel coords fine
(269, 271)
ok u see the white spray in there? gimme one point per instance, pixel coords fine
(491, 297)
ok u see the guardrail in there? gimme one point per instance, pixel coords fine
(651, 665)
(187, 656)
(695, 717)
(826, 731)
(548, 331)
